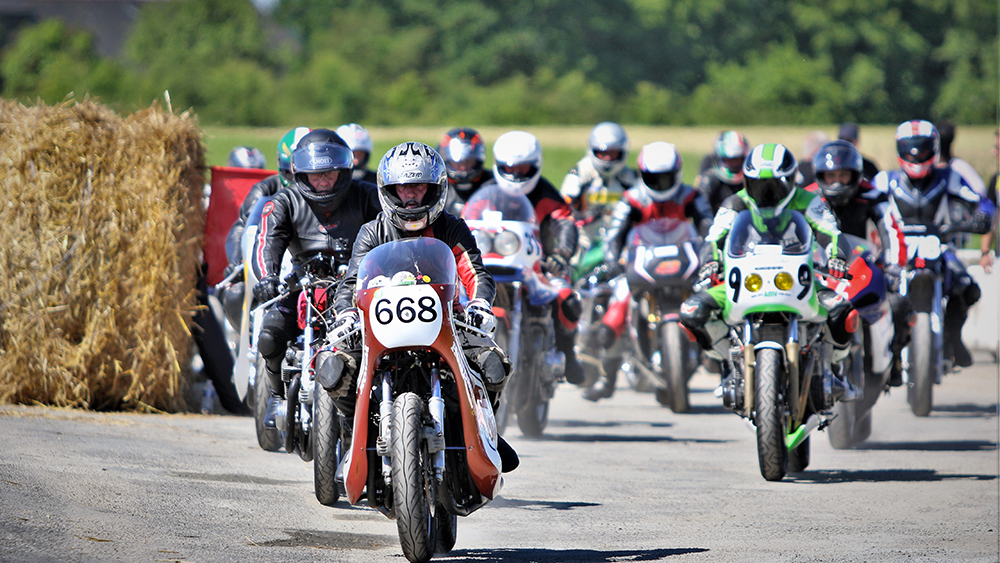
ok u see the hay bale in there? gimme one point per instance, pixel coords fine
(102, 224)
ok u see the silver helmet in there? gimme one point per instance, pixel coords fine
(246, 157)
(412, 163)
(360, 141)
(608, 148)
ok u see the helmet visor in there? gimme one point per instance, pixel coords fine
(733, 165)
(916, 149)
(517, 172)
(768, 192)
(321, 157)
(659, 182)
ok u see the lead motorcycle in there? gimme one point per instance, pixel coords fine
(424, 447)
(661, 258)
(507, 236)
(778, 355)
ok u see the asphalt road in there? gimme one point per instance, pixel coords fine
(621, 480)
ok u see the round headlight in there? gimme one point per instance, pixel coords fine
(484, 240)
(753, 283)
(783, 281)
(506, 243)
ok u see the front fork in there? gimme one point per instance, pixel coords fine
(433, 436)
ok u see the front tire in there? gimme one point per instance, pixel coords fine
(532, 406)
(269, 439)
(326, 447)
(674, 352)
(772, 454)
(920, 390)
(410, 485)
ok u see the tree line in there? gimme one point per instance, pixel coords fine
(520, 62)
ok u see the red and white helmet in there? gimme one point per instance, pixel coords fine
(660, 168)
(919, 146)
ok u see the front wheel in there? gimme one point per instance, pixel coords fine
(410, 482)
(532, 404)
(674, 351)
(920, 390)
(326, 447)
(769, 418)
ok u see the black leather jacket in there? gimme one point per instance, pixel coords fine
(447, 228)
(292, 222)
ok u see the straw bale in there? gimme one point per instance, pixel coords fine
(102, 224)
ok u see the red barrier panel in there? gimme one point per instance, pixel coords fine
(229, 187)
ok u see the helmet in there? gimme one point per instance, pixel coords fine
(919, 146)
(359, 141)
(660, 170)
(286, 145)
(464, 153)
(412, 163)
(769, 176)
(608, 148)
(731, 149)
(838, 155)
(246, 157)
(319, 151)
(517, 161)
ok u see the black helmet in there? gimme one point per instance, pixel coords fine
(838, 155)
(320, 151)
(464, 154)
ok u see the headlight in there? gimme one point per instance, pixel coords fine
(507, 243)
(784, 281)
(484, 241)
(753, 283)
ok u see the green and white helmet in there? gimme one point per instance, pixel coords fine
(286, 146)
(769, 176)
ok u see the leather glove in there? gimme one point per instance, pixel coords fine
(893, 275)
(230, 269)
(347, 321)
(555, 265)
(837, 267)
(480, 315)
(709, 270)
(981, 223)
(266, 289)
(614, 268)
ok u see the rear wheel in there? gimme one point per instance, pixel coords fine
(772, 453)
(920, 391)
(674, 352)
(326, 447)
(410, 484)
(269, 439)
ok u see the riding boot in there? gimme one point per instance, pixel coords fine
(604, 388)
(508, 457)
(564, 343)
(954, 319)
(276, 392)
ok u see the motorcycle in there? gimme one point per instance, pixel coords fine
(922, 283)
(507, 236)
(424, 446)
(777, 360)
(662, 256)
(870, 358)
(307, 421)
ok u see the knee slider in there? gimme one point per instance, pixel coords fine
(232, 303)
(694, 313)
(972, 293)
(269, 344)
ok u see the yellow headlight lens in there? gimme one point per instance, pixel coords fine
(784, 281)
(753, 283)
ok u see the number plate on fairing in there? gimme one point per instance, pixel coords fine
(408, 315)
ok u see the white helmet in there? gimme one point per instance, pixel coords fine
(660, 168)
(358, 140)
(511, 152)
(609, 139)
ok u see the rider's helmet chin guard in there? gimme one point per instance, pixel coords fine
(246, 157)
(831, 157)
(919, 147)
(412, 163)
(358, 139)
(464, 154)
(286, 145)
(513, 151)
(321, 151)
(730, 149)
(607, 137)
(660, 170)
(769, 178)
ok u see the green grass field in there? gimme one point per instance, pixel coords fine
(563, 146)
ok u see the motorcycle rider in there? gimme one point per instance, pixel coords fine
(360, 141)
(321, 212)
(517, 167)
(412, 188)
(854, 201)
(232, 296)
(724, 177)
(464, 154)
(660, 193)
(769, 190)
(926, 194)
(246, 157)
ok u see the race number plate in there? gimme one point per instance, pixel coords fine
(408, 315)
